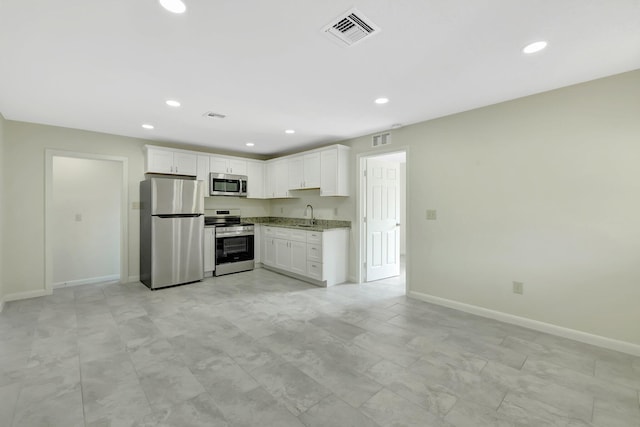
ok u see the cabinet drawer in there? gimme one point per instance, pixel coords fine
(298, 235)
(314, 237)
(314, 252)
(269, 231)
(314, 270)
(282, 233)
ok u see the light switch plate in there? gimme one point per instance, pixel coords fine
(432, 214)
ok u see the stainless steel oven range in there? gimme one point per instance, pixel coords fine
(233, 240)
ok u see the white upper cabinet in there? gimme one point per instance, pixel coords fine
(277, 179)
(231, 165)
(203, 171)
(334, 166)
(255, 179)
(304, 171)
(324, 168)
(168, 161)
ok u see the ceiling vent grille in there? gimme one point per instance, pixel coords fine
(213, 115)
(381, 139)
(351, 28)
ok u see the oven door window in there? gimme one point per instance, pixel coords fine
(233, 249)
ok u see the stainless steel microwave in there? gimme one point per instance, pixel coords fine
(224, 184)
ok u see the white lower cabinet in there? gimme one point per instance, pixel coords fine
(298, 257)
(209, 251)
(257, 245)
(319, 257)
(283, 253)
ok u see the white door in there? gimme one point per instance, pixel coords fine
(382, 219)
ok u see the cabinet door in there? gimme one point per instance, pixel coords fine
(257, 243)
(237, 167)
(282, 254)
(255, 180)
(298, 257)
(270, 180)
(203, 172)
(218, 164)
(282, 179)
(185, 164)
(269, 251)
(159, 161)
(312, 170)
(209, 249)
(296, 173)
(329, 176)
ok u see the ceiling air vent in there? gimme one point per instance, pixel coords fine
(381, 139)
(351, 28)
(213, 115)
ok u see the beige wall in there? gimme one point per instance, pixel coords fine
(543, 190)
(2, 203)
(25, 146)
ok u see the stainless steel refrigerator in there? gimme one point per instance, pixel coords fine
(171, 231)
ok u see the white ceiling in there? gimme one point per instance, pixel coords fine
(108, 66)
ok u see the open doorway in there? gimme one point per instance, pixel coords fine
(382, 203)
(86, 232)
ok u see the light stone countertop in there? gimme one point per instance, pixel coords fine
(299, 223)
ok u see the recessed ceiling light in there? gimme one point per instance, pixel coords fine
(172, 103)
(147, 126)
(250, 144)
(381, 100)
(289, 131)
(534, 47)
(175, 6)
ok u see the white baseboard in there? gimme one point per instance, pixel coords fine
(132, 279)
(597, 340)
(88, 281)
(29, 294)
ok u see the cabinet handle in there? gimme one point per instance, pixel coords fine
(176, 169)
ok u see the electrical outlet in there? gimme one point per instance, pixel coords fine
(281, 210)
(432, 214)
(78, 217)
(518, 288)
(335, 211)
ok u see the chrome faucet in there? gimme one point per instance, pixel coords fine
(313, 220)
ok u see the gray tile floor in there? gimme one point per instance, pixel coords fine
(261, 349)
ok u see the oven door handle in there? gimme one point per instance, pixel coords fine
(235, 234)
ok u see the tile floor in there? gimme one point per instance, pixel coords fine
(261, 349)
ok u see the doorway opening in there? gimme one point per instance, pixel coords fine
(382, 205)
(85, 219)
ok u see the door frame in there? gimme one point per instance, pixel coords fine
(361, 160)
(48, 211)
